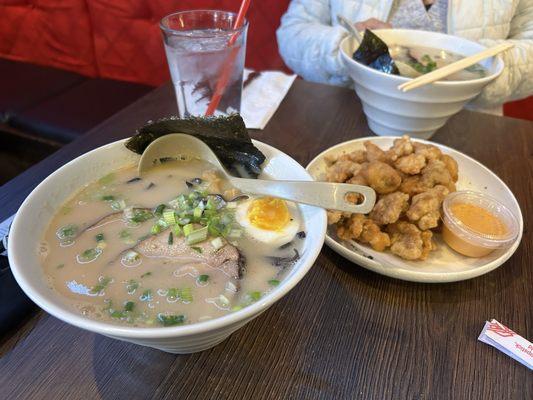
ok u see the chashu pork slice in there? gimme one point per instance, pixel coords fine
(227, 259)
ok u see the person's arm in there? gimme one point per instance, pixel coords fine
(308, 43)
(516, 80)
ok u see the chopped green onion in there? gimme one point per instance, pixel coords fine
(236, 308)
(131, 258)
(195, 195)
(273, 282)
(211, 205)
(129, 305)
(132, 286)
(184, 221)
(198, 212)
(89, 255)
(197, 236)
(97, 289)
(146, 296)
(118, 205)
(67, 232)
(171, 320)
(140, 215)
(117, 314)
(172, 294)
(254, 295)
(99, 237)
(215, 228)
(159, 210)
(108, 197)
(169, 217)
(146, 274)
(156, 228)
(197, 249)
(227, 218)
(176, 230)
(59, 266)
(217, 243)
(185, 295)
(188, 229)
(162, 223)
(202, 278)
(170, 239)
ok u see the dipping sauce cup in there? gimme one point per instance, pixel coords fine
(476, 224)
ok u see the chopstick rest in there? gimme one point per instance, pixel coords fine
(508, 342)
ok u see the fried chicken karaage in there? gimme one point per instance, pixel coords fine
(411, 180)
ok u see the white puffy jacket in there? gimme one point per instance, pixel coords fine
(309, 38)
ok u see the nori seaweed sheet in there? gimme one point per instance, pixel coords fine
(374, 52)
(226, 136)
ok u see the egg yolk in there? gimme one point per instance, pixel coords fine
(269, 213)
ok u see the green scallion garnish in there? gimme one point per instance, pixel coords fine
(197, 236)
(129, 305)
(169, 216)
(171, 320)
(146, 296)
(254, 296)
(98, 288)
(159, 210)
(89, 255)
(131, 286)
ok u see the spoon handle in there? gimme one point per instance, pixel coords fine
(321, 194)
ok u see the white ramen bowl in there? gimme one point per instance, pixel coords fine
(419, 112)
(39, 207)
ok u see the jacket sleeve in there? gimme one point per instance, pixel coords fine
(308, 43)
(516, 80)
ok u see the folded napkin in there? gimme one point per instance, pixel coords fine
(263, 95)
(504, 339)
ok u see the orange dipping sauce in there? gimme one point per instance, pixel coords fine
(478, 219)
(468, 226)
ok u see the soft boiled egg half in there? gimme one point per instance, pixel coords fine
(269, 220)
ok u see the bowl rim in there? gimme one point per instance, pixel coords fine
(500, 65)
(224, 322)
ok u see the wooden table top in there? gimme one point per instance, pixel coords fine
(343, 332)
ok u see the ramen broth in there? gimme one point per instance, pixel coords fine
(423, 60)
(97, 250)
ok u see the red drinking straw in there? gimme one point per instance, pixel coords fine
(226, 70)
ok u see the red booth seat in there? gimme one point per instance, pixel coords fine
(119, 39)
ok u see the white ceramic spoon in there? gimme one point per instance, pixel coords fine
(322, 194)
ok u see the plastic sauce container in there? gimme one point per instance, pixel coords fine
(476, 224)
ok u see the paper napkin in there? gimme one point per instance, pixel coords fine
(262, 97)
(508, 342)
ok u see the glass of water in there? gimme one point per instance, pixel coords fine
(196, 44)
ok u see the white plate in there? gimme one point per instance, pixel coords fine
(443, 265)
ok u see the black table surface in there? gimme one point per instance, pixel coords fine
(342, 333)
